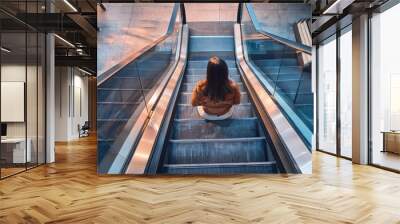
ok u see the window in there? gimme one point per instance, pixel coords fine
(385, 89)
(346, 92)
(327, 95)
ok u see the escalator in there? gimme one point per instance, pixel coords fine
(198, 146)
(147, 124)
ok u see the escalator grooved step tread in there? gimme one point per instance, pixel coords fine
(221, 169)
(221, 164)
(190, 141)
(222, 150)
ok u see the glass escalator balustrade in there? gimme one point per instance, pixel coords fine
(286, 78)
(279, 65)
(122, 97)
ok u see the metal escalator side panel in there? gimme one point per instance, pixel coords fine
(289, 145)
(146, 144)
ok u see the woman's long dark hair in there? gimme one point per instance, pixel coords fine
(217, 79)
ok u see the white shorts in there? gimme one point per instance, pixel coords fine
(212, 117)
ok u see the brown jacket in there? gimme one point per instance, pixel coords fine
(215, 107)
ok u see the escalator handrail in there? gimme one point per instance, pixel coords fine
(132, 57)
(288, 143)
(292, 44)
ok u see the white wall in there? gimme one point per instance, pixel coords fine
(33, 126)
(71, 93)
(61, 103)
(11, 73)
(80, 110)
(15, 72)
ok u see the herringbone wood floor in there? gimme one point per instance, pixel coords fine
(70, 191)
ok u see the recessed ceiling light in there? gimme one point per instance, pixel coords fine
(5, 50)
(84, 71)
(64, 40)
(70, 5)
(338, 6)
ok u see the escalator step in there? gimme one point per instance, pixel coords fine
(221, 168)
(209, 44)
(226, 150)
(203, 129)
(205, 56)
(203, 63)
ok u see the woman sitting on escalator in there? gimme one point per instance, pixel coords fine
(215, 96)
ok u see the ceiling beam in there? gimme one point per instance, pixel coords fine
(84, 24)
(81, 61)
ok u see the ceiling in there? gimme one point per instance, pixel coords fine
(332, 15)
(74, 22)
